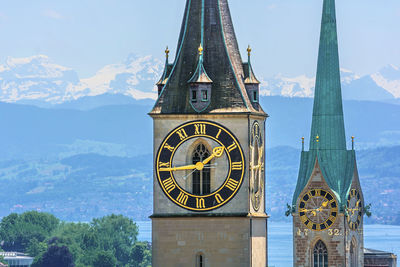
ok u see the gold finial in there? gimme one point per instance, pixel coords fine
(302, 140)
(249, 50)
(200, 50)
(352, 142)
(167, 52)
(317, 138)
(302, 143)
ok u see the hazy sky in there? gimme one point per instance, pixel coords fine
(88, 34)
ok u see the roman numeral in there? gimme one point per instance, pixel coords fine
(164, 164)
(182, 198)
(182, 134)
(237, 166)
(218, 198)
(219, 133)
(200, 203)
(232, 147)
(169, 185)
(170, 148)
(200, 129)
(232, 184)
(317, 192)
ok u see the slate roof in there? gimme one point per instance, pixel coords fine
(209, 23)
(336, 162)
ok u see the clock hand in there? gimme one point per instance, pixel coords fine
(217, 152)
(325, 204)
(181, 168)
(184, 178)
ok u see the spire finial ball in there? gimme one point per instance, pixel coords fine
(167, 52)
(317, 138)
(200, 50)
(249, 50)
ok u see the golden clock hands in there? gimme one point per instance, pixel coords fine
(181, 168)
(313, 211)
(325, 204)
(217, 152)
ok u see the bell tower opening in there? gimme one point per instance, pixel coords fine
(320, 255)
(201, 179)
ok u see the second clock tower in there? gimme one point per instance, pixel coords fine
(209, 136)
(328, 202)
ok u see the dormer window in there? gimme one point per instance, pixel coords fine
(255, 96)
(200, 86)
(194, 96)
(204, 95)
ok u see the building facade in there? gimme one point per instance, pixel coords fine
(209, 153)
(328, 203)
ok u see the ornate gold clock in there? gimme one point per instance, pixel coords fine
(354, 209)
(200, 165)
(318, 209)
(256, 166)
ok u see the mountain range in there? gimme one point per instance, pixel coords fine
(81, 148)
(38, 80)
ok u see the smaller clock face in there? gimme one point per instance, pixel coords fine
(256, 166)
(318, 209)
(354, 209)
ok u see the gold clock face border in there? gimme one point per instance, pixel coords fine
(334, 210)
(354, 225)
(232, 182)
(256, 203)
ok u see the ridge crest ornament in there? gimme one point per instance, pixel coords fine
(226, 150)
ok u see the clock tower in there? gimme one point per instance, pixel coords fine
(209, 153)
(328, 202)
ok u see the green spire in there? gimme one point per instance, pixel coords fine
(328, 122)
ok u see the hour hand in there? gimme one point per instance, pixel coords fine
(181, 168)
(217, 152)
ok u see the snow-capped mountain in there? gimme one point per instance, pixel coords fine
(37, 78)
(383, 85)
(389, 79)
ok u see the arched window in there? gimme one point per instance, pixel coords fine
(353, 255)
(201, 180)
(200, 260)
(320, 255)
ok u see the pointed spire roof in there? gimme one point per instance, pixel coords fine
(200, 75)
(248, 70)
(328, 122)
(167, 69)
(209, 23)
(328, 141)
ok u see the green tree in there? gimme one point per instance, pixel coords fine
(55, 256)
(141, 255)
(17, 231)
(104, 259)
(118, 234)
(36, 248)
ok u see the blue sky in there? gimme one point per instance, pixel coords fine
(88, 34)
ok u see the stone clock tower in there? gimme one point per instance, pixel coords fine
(328, 201)
(209, 136)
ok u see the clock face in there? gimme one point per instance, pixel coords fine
(256, 166)
(200, 165)
(354, 209)
(318, 209)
